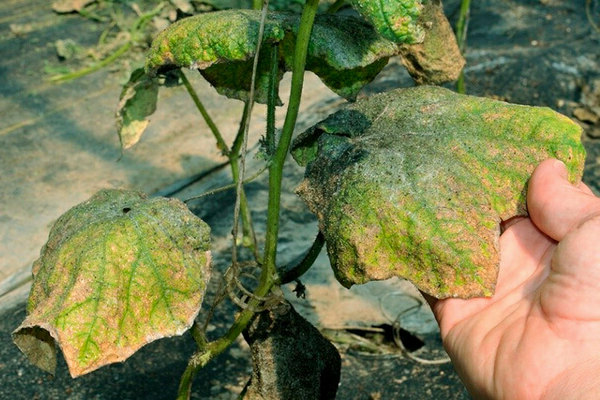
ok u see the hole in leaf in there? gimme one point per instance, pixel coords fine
(126, 210)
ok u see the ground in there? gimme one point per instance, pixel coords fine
(58, 146)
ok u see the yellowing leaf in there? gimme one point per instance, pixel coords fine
(137, 103)
(414, 183)
(118, 271)
(396, 20)
(344, 51)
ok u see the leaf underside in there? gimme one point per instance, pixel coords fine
(344, 51)
(137, 103)
(118, 271)
(414, 183)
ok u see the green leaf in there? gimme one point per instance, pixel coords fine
(345, 52)
(414, 183)
(137, 103)
(118, 271)
(396, 20)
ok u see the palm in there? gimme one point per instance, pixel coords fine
(543, 320)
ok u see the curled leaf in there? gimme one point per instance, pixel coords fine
(118, 271)
(437, 58)
(414, 183)
(137, 103)
(345, 52)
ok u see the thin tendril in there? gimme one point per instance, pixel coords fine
(242, 159)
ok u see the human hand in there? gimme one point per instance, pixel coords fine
(538, 337)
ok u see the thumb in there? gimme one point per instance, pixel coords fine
(555, 205)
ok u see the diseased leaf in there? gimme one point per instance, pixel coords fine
(345, 52)
(437, 59)
(137, 103)
(414, 183)
(395, 20)
(118, 271)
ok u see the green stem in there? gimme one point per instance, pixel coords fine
(93, 68)
(461, 38)
(588, 13)
(462, 24)
(198, 335)
(89, 14)
(239, 137)
(268, 276)
(276, 167)
(335, 7)
(221, 145)
(289, 274)
(226, 187)
(272, 101)
(134, 31)
(232, 155)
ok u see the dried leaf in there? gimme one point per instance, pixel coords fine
(118, 271)
(137, 103)
(345, 52)
(185, 6)
(414, 183)
(437, 59)
(67, 6)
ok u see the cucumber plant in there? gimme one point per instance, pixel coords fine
(410, 183)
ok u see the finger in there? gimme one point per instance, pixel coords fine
(572, 290)
(555, 205)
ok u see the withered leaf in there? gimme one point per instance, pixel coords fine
(137, 102)
(118, 271)
(414, 183)
(344, 51)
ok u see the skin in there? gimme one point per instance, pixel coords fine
(538, 337)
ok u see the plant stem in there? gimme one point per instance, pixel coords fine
(289, 274)
(588, 13)
(268, 276)
(276, 167)
(221, 145)
(241, 157)
(93, 68)
(461, 38)
(335, 7)
(232, 156)
(134, 31)
(272, 101)
(237, 142)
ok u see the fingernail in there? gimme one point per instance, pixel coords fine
(561, 168)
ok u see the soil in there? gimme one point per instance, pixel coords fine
(58, 146)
